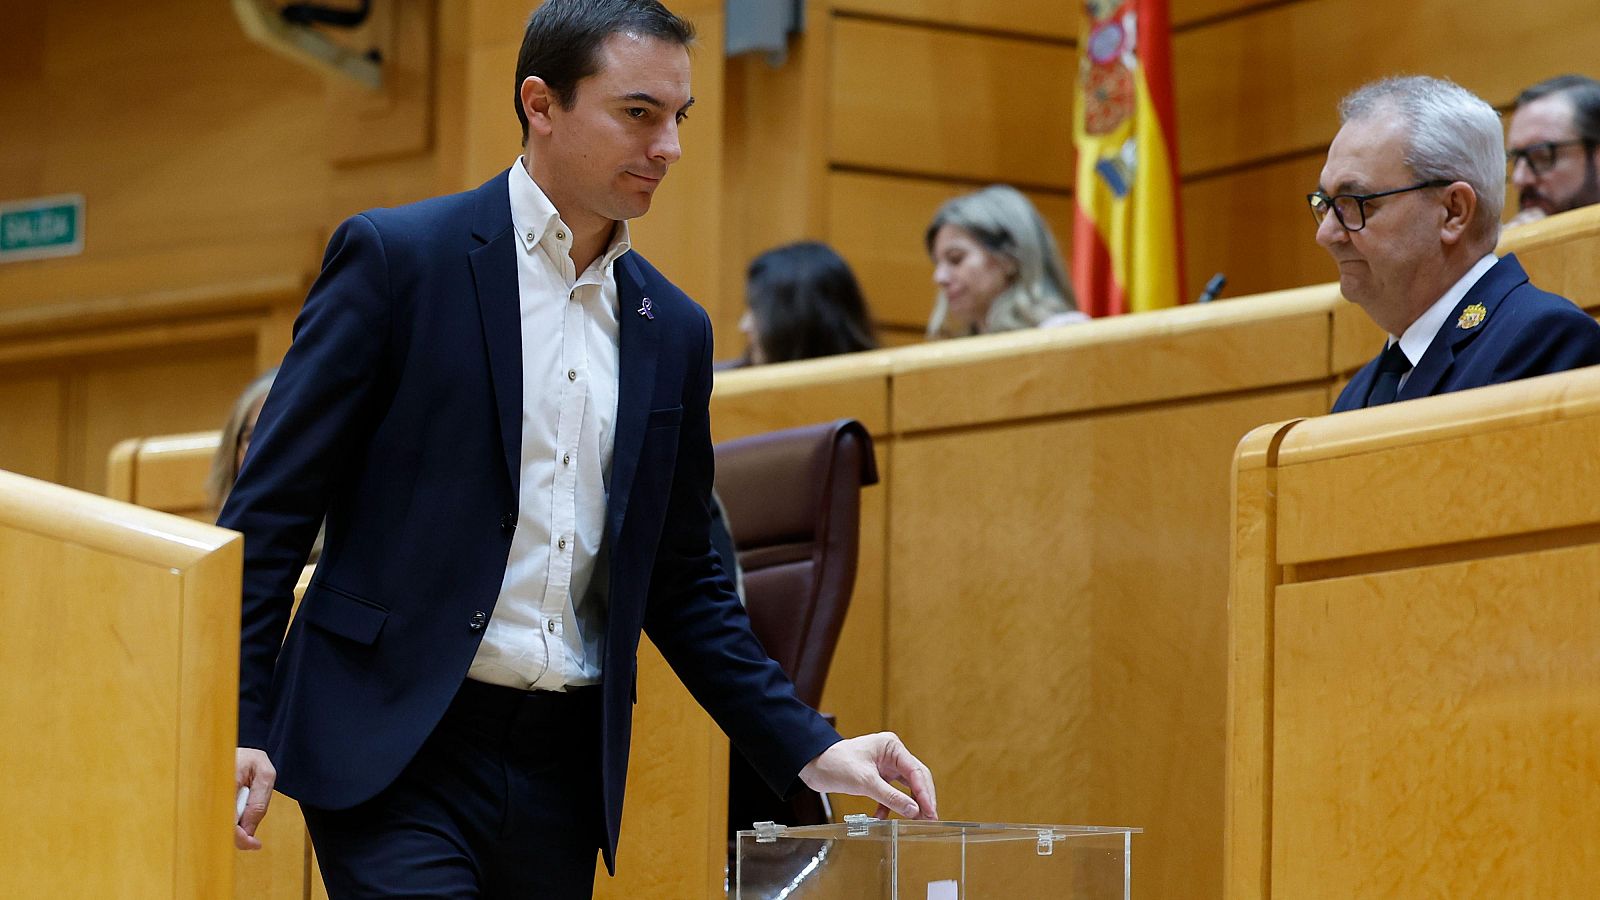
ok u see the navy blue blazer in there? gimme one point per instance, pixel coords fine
(1523, 332)
(396, 414)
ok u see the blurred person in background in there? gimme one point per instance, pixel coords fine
(997, 267)
(1553, 146)
(803, 302)
(235, 442)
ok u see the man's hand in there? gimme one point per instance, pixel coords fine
(864, 766)
(252, 769)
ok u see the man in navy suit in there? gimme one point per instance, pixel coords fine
(1409, 207)
(501, 411)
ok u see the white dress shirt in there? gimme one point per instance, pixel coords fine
(548, 626)
(1419, 337)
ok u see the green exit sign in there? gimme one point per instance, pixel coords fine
(46, 226)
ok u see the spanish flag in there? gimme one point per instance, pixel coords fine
(1127, 245)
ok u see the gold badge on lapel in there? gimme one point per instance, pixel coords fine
(1471, 317)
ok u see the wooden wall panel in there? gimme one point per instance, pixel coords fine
(674, 839)
(1253, 225)
(30, 443)
(1044, 18)
(877, 223)
(946, 103)
(1259, 85)
(1057, 609)
(1477, 724)
(1409, 699)
(189, 389)
(167, 172)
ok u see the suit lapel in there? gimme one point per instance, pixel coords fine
(494, 273)
(1460, 329)
(639, 345)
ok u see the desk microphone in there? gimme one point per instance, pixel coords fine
(1213, 288)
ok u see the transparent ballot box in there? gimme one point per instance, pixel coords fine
(881, 859)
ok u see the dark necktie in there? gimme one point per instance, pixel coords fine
(1391, 365)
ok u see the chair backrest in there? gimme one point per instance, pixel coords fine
(793, 504)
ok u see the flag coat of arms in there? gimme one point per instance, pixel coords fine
(1127, 249)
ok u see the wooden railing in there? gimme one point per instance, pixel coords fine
(1413, 706)
(118, 688)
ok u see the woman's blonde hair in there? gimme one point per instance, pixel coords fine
(225, 462)
(1001, 219)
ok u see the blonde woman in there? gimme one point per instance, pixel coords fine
(997, 267)
(235, 442)
(236, 432)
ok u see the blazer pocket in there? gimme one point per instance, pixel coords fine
(343, 614)
(664, 418)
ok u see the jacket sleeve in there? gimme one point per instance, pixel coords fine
(320, 404)
(696, 620)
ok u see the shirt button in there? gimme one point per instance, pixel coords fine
(572, 374)
(477, 621)
(562, 544)
(561, 235)
(566, 459)
(508, 522)
(530, 237)
(550, 626)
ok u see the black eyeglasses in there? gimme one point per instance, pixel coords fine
(1541, 157)
(1351, 209)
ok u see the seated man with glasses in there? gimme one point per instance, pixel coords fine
(1554, 147)
(1415, 180)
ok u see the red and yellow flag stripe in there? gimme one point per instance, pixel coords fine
(1127, 248)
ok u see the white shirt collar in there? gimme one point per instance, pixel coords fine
(534, 217)
(1420, 335)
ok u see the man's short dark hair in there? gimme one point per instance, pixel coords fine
(1583, 91)
(562, 42)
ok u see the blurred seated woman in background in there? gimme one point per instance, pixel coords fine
(803, 302)
(997, 267)
(236, 433)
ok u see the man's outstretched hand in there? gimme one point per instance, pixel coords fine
(253, 770)
(864, 766)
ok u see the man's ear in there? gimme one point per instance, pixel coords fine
(537, 101)
(1460, 206)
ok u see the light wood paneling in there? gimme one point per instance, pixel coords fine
(1545, 249)
(855, 385)
(1456, 759)
(1324, 506)
(31, 409)
(186, 391)
(1256, 86)
(1253, 226)
(1044, 18)
(674, 840)
(946, 103)
(877, 224)
(114, 637)
(1462, 758)
(1152, 357)
(775, 159)
(1057, 611)
(1247, 818)
(203, 127)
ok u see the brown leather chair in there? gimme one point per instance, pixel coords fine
(793, 504)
